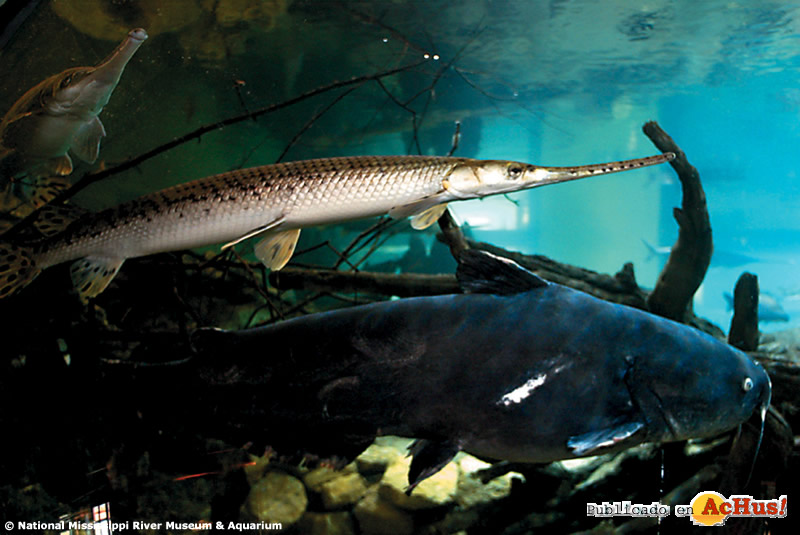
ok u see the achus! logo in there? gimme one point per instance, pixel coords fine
(711, 508)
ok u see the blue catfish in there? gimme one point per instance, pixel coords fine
(516, 369)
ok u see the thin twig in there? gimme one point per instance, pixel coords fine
(313, 119)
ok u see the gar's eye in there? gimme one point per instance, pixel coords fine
(747, 385)
(514, 171)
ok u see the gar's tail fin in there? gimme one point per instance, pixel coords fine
(17, 268)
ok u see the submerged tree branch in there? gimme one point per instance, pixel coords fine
(744, 325)
(690, 256)
(329, 280)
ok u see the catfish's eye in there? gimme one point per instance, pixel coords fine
(514, 171)
(747, 385)
(65, 82)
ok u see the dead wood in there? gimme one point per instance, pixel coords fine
(363, 282)
(690, 256)
(620, 288)
(744, 325)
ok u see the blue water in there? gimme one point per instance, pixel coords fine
(560, 82)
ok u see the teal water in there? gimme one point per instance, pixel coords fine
(549, 82)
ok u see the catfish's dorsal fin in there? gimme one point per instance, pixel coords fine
(482, 272)
(427, 458)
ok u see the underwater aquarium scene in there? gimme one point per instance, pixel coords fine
(394, 267)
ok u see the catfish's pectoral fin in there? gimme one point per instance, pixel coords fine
(86, 143)
(428, 457)
(275, 250)
(91, 275)
(587, 443)
(17, 268)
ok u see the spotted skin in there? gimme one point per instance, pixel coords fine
(273, 201)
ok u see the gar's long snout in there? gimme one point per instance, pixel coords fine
(110, 69)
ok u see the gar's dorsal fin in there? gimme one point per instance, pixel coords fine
(482, 272)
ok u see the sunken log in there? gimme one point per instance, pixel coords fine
(690, 256)
(364, 282)
(744, 325)
(451, 235)
(620, 288)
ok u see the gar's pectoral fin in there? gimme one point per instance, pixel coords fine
(588, 443)
(482, 272)
(62, 165)
(428, 457)
(86, 143)
(275, 250)
(428, 217)
(255, 232)
(424, 212)
(91, 275)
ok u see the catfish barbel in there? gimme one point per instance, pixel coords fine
(274, 202)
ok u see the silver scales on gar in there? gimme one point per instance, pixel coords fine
(274, 202)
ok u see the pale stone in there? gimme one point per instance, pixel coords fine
(340, 523)
(376, 516)
(277, 497)
(322, 474)
(472, 491)
(344, 490)
(437, 490)
(376, 458)
(256, 468)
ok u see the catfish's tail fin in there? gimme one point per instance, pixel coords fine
(17, 268)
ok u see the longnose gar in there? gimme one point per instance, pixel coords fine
(60, 114)
(274, 202)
